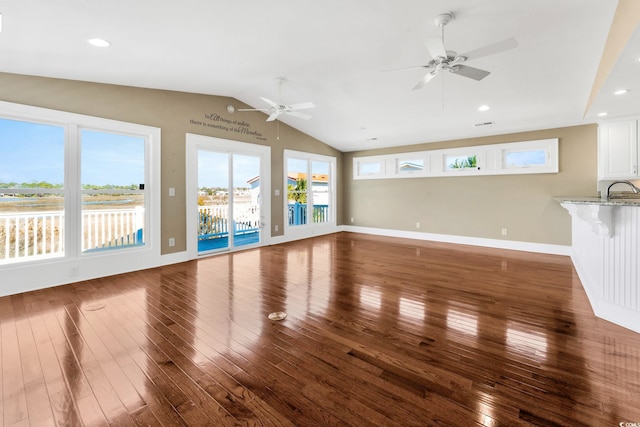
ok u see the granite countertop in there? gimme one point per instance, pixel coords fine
(595, 200)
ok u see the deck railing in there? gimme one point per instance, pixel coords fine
(35, 235)
(297, 213)
(31, 235)
(105, 229)
(213, 221)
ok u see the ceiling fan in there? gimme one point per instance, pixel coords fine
(276, 109)
(442, 59)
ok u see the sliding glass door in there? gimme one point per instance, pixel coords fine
(226, 188)
(228, 200)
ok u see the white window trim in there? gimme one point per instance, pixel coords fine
(490, 161)
(311, 228)
(359, 162)
(194, 142)
(74, 266)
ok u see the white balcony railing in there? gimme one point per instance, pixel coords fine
(213, 220)
(37, 235)
(31, 235)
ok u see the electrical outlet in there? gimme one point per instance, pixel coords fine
(353, 220)
(73, 272)
(504, 231)
(417, 225)
(172, 241)
(275, 227)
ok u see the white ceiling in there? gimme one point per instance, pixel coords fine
(335, 53)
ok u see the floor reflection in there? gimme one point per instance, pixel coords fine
(379, 331)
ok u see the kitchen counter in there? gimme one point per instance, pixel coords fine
(605, 250)
(612, 201)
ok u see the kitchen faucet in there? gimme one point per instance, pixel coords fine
(635, 189)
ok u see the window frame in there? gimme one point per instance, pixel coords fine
(490, 160)
(370, 160)
(72, 264)
(85, 191)
(40, 190)
(310, 228)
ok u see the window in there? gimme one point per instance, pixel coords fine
(526, 157)
(310, 188)
(73, 186)
(32, 194)
(456, 163)
(410, 165)
(539, 156)
(369, 167)
(113, 204)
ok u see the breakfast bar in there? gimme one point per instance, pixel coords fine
(605, 251)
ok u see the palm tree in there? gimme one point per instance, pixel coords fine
(298, 193)
(469, 162)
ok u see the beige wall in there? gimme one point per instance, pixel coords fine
(479, 206)
(172, 112)
(461, 206)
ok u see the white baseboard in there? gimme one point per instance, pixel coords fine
(305, 234)
(464, 240)
(29, 277)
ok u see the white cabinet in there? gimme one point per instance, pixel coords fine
(618, 150)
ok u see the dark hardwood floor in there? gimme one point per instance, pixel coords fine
(379, 331)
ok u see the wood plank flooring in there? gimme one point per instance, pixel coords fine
(379, 332)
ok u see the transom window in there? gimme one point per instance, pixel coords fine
(525, 157)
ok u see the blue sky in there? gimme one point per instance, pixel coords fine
(213, 169)
(31, 152)
(35, 152)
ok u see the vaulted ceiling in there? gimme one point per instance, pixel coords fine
(337, 54)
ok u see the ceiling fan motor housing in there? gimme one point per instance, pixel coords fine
(443, 19)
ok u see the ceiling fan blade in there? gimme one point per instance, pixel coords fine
(300, 106)
(254, 109)
(472, 73)
(274, 115)
(298, 114)
(270, 102)
(407, 68)
(435, 47)
(426, 79)
(491, 49)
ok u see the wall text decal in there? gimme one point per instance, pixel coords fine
(218, 121)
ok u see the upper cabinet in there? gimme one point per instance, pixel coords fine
(618, 150)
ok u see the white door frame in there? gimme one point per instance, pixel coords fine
(195, 142)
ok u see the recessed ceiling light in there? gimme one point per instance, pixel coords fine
(99, 42)
(620, 92)
(604, 113)
(484, 108)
